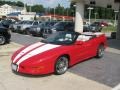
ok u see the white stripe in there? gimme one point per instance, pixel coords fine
(37, 51)
(27, 49)
(117, 87)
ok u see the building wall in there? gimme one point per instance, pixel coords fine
(7, 9)
(26, 16)
(102, 3)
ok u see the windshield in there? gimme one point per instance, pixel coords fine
(29, 22)
(41, 25)
(45, 24)
(61, 38)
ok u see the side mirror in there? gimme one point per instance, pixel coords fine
(79, 42)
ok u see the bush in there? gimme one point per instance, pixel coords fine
(109, 29)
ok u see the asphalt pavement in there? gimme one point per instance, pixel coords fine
(24, 39)
(104, 70)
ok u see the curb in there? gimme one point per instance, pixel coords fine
(112, 50)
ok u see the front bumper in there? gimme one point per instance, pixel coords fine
(14, 67)
(41, 70)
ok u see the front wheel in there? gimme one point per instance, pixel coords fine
(100, 51)
(2, 40)
(61, 65)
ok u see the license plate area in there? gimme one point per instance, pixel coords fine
(14, 67)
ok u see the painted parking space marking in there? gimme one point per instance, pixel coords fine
(116, 87)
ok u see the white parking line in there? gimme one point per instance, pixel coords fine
(116, 87)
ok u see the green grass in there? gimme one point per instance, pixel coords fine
(109, 29)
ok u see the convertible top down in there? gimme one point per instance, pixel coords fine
(58, 52)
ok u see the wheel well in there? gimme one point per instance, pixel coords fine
(27, 28)
(102, 44)
(66, 55)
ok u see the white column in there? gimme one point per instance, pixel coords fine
(118, 26)
(79, 16)
(63, 18)
(50, 18)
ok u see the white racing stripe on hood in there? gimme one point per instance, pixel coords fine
(27, 49)
(37, 51)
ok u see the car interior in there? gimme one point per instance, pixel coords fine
(84, 38)
(88, 36)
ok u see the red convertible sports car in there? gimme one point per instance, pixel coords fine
(58, 52)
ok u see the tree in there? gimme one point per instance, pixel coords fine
(20, 4)
(38, 8)
(60, 10)
(72, 9)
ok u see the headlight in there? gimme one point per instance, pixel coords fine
(38, 29)
(53, 30)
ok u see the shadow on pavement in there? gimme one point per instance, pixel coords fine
(32, 76)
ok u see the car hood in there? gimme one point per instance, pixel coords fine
(35, 52)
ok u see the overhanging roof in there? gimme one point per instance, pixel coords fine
(102, 3)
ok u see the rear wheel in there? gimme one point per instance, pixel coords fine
(2, 40)
(61, 65)
(100, 51)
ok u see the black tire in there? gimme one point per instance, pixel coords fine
(2, 40)
(100, 51)
(61, 65)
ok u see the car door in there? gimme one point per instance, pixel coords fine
(89, 49)
(82, 51)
